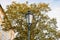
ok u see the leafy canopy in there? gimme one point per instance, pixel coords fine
(42, 28)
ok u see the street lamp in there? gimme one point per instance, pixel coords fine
(29, 17)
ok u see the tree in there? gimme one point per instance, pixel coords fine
(42, 28)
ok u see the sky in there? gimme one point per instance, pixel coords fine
(54, 5)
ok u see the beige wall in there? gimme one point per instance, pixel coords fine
(0, 36)
(11, 34)
(5, 35)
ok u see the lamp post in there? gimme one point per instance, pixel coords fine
(29, 18)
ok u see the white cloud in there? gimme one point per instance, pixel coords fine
(55, 13)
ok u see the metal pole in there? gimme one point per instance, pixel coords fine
(28, 31)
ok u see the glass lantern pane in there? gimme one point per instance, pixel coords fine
(29, 18)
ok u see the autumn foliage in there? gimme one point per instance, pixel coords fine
(42, 28)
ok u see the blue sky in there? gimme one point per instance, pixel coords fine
(54, 4)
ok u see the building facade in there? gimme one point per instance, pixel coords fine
(5, 35)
